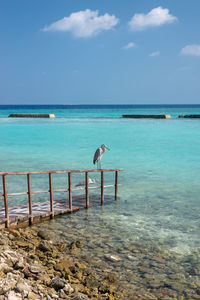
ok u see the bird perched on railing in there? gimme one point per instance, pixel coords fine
(98, 155)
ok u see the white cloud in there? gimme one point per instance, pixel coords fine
(84, 24)
(193, 50)
(156, 17)
(156, 53)
(129, 45)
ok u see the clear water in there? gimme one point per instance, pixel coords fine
(160, 194)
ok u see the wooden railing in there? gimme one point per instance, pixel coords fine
(51, 191)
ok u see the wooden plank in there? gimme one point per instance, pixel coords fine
(40, 213)
(57, 171)
(116, 184)
(45, 211)
(38, 192)
(86, 190)
(17, 194)
(94, 187)
(30, 199)
(102, 187)
(70, 191)
(60, 190)
(5, 202)
(51, 195)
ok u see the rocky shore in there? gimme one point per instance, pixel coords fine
(34, 267)
(50, 262)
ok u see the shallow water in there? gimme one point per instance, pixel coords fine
(159, 204)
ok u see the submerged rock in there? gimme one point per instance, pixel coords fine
(111, 277)
(74, 246)
(61, 247)
(114, 258)
(43, 234)
(158, 259)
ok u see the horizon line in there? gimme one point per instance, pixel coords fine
(85, 104)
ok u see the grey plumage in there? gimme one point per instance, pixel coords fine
(98, 155)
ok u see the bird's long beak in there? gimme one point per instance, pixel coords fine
(107, 148)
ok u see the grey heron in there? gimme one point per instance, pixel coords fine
(98, 155)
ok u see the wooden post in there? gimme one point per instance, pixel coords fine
(30, 199)
(51, 195)
(102, 187)
(5, 201)
(70, 190)
(86, 190)
(116, 184)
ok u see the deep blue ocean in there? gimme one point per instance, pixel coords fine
(160, 194)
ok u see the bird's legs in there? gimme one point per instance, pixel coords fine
(98, 164)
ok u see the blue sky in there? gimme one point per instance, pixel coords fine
(99, 52)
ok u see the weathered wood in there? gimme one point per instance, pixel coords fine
(86, 190)
(57, 171)
(17, 194)
(38, 192)
(60, 190)
(19, 214)
(44, 213)
(51, 195)
(5, 202)
(29, 199)
(102, 187)
(70, 191)
(147, 116)
(94, 187)
(31, 116)
(116, 184)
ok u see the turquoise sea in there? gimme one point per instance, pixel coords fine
(158, 213)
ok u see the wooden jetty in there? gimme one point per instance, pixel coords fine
(30, 213)
(32, 116)
(146, 116)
